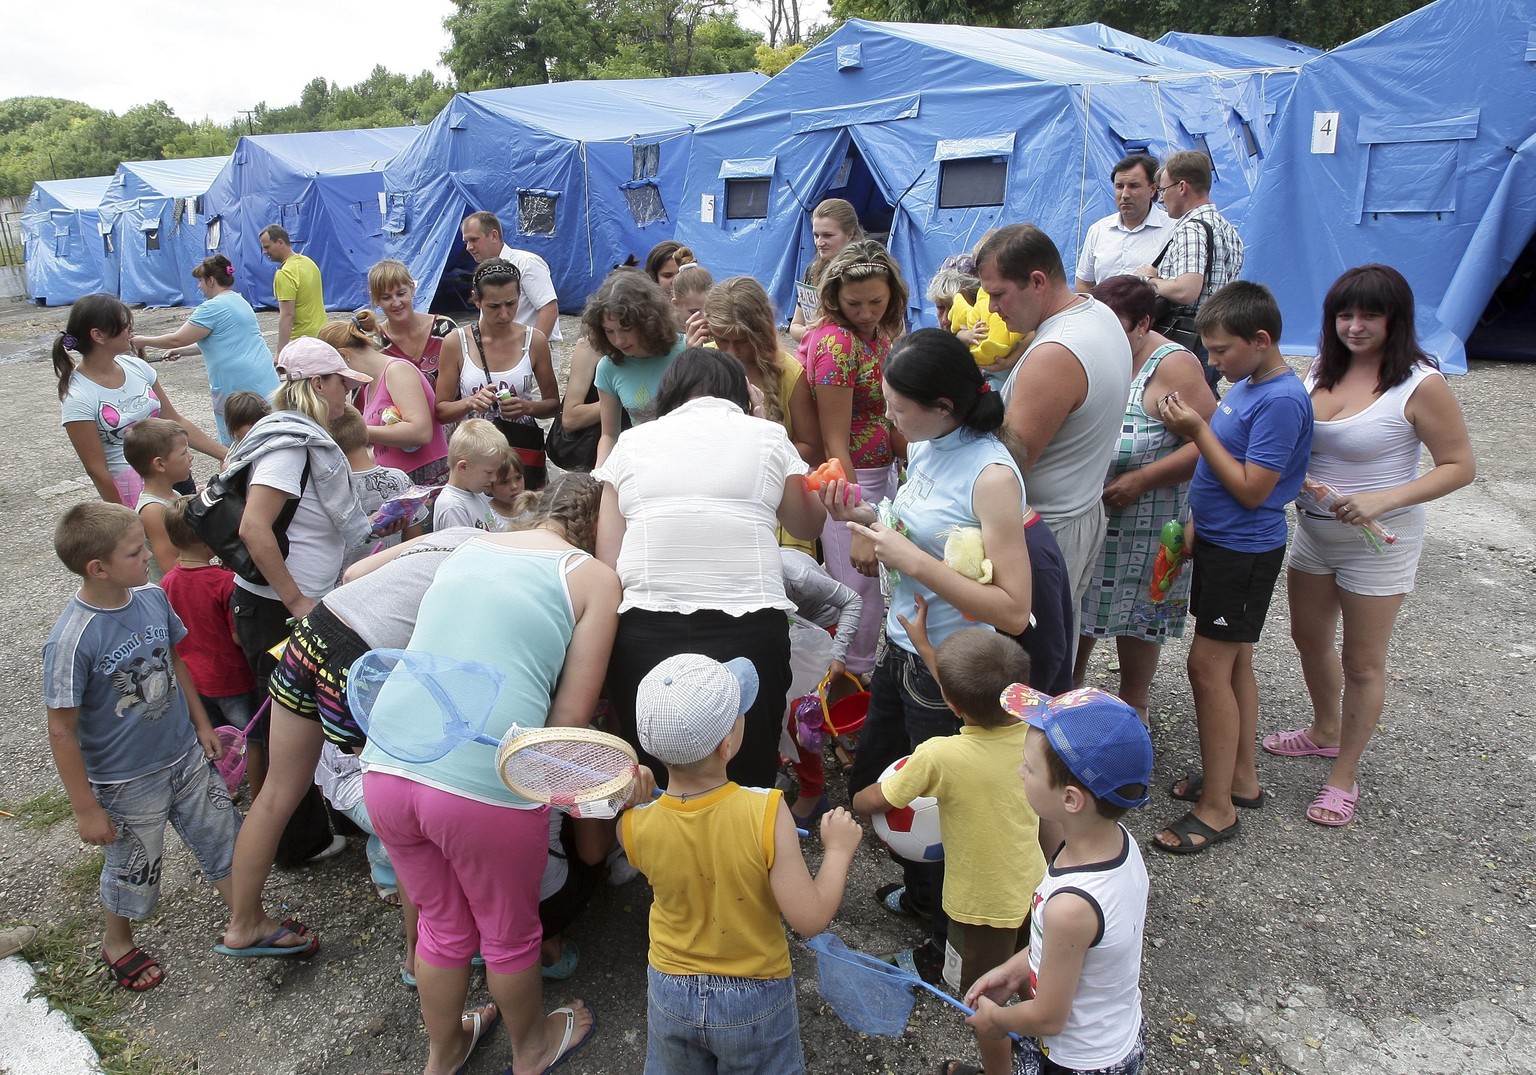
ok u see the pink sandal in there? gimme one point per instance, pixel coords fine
(1297, 744)
(1339, 806)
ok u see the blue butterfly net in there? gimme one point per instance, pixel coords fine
(869, 994)
(418, 706)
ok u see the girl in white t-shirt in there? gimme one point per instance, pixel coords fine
(106, 392)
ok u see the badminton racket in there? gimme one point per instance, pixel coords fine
(582, 771)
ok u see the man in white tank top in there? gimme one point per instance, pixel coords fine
(1066, 397)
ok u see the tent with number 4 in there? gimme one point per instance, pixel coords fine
(938, 133)
(584, 174)
(1413, 145)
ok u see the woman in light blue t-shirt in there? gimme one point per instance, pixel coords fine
(224, 328)
(630, 322)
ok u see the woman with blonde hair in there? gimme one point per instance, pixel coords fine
(834, 224)
(406, 333)
(860, 313)
(398, 407)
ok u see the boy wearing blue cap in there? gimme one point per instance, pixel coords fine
(724, 863)
(1087, 760)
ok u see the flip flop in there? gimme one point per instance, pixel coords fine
(126, 971)
(565, 966)
(1335, 801)
(1193, 782)
(1297, 744)
(407, 979)
(268, 945)
(480, 1033)
(567, 1047)
(1190, 825)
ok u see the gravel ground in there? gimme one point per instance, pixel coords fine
(1405, 943)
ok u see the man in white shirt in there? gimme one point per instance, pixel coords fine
(537, 304)
(1134, 235)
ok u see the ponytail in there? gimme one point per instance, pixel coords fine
(100, 312)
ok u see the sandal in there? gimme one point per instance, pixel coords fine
(1190, 826)
(1297, 744)
(565, 966)
(269, 946)
(567, 1046)
(126, 971)
(1193, 782)
(893, 897)
(1333, 807)
(480, 1032)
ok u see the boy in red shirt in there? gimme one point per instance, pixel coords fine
(199, 590)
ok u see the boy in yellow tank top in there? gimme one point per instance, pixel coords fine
(724, 862)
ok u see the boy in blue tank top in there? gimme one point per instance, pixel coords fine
(1253, 458)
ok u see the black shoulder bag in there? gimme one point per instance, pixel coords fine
(1173, 320)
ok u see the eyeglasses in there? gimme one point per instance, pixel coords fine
(1159, 190)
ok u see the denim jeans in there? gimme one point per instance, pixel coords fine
(905, 709)
(191, 796)
(707, 1024)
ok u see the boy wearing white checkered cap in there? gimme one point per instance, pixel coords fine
(722, 860)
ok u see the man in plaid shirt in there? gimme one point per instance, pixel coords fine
(1197, 262)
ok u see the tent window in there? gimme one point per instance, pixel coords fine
(647, 162)
(746, 199)
(106, 243)
(645, 203)
(535, 213)
(966, 184)
(1250, 142)
(1203, 145)
(151, 238)
(1411, 177)
(61, 244)
(394, 219)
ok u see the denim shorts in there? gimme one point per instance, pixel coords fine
(189, 794)
(709, 1024)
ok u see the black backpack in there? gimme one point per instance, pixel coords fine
(215, 514)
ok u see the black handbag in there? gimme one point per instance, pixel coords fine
(526, 438)
(215, 514)
(1175, 321)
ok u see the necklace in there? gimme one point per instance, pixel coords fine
(184, 562)
(1267, 374)
(684, 796)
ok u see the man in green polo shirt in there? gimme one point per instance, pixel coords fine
(300, 298)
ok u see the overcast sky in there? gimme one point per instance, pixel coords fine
(208, 57)
(211, 58)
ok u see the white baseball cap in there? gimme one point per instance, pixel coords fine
(687, 705)
(307, 357)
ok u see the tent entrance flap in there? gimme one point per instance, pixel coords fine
(855, 183)
(1506, 331)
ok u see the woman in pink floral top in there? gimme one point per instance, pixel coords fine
(861, 313)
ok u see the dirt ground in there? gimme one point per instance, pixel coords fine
(1406, 942)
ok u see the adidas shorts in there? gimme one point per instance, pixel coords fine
(1231, 591)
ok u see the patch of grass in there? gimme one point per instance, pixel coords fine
(84, 877)
(43, 811)
(73, 981)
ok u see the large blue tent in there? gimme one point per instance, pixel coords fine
(158, 229)
(324, 188)
(583, 174)
(61, 240)
(939, 133)
(1412, 145)
(1275, 58)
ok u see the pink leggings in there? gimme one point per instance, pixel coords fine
(473, 870)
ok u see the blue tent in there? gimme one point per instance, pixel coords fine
(61, 240)
(1412, 145)
(581, 173)
(938, 133)
(324, 188)
(158, 229)
(1275, 58)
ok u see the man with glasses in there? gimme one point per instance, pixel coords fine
(1133, 235)
(1204, 255)
(537, 304)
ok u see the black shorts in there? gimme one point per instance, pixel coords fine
(1230, 594)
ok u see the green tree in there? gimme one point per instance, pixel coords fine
(522, 42)
(770, 61)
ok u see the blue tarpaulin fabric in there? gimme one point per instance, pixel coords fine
(322, 186)
(924, 117)
(1451, 212)
(159, 229)
(567, 167)
(61, 240)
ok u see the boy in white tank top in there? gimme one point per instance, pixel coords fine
(1087, 760)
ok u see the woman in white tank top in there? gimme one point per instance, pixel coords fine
(1378, 399)
(500, 368)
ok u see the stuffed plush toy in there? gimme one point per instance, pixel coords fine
(963, 552)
